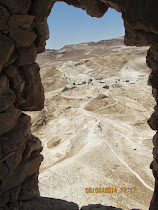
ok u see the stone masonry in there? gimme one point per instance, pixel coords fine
(23, 33)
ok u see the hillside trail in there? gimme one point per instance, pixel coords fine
(76, 147)
(96, 134)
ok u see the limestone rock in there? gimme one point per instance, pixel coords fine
(22, 38)
(23, 171)
(49, 204)
(27, 55)
(8, 47)
(33, 91)
(17, 6)
(8, 119)
(21, 21)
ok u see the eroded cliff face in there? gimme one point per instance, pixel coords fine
(23, 32)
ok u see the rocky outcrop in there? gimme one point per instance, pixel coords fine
(152, 61)
(48, 203)
(20, 89)
(23, 33)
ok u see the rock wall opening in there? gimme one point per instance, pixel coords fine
(65, 30)
(82, 114)
(23, 26)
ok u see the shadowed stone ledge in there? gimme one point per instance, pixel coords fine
(43, 203)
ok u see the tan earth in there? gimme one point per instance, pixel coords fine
(94, 127)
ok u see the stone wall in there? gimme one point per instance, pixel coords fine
(23, 33)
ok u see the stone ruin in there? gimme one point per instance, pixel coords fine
(23, 33)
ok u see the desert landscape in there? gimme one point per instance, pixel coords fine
(94, 127)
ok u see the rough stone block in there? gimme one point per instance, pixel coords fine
(29, 188)
(33, 144)
(153, 121)
(7, 96)
(27, 55)
(16, 83)
(14, 193)
(22, 38)
(99, 207)
(95, 8)
(18, 176)
(155, 168)
(8, 119)
(155, 94)
(153, 79)
(116, 4)
(15, 138)
(12, 59)
(138, 37)
(33, 91)
(17, 6)
(13, 161)
(42, 31)
(152, 62)
(4, 199)
(142, 12)
(3, 170)
(155, 140)
(14, 76)
(4, 16)
(6, 101)
(22, 21)
(49, 204)
(8, 47)
(41, 8)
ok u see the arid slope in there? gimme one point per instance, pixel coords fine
(94, 126)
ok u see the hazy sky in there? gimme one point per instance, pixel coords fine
(70, 25)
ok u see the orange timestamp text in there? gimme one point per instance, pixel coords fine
(110, 190)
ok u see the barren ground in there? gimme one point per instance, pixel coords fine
(94, 126)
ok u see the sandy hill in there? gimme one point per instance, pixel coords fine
(93, 127)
